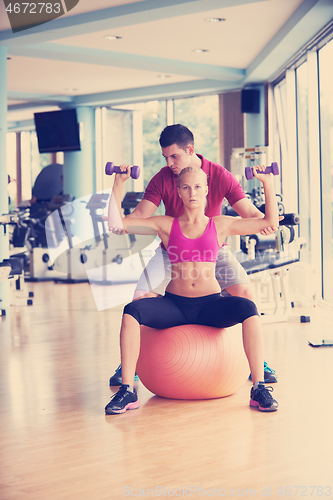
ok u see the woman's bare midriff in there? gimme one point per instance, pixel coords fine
(193, 279)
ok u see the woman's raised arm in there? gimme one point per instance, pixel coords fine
(135, 225)
(233, 225)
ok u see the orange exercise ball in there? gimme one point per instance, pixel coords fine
(192, 361)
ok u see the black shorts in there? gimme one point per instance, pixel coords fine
(174, 310)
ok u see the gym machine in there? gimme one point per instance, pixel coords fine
(65, 247)
(13, 270)
(88, 252)
(110, 258)
(41, 266)
(267, 259)
(29, 238)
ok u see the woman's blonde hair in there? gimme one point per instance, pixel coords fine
(191, 169)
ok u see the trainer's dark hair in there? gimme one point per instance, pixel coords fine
(176, 134)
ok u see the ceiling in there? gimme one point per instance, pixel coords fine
(68, 61)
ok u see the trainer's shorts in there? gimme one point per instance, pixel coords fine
(157, 273)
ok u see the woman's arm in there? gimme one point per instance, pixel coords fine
(135, 225)
(231, 225)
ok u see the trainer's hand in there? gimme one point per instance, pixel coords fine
(270, 230)
(114, 230)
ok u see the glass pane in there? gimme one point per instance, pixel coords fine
(279, 132)
(153, 122)
(326, 126)
(200, 115)
(26, 166)
(303, 159)
(38, 161)
(11, 169)
(117, 141)
(283, 96)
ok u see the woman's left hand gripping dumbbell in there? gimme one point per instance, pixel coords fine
(120, 178)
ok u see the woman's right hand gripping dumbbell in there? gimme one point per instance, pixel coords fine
(126, 173)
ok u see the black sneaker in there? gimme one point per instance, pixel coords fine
(116, 379)
(123, 400)
(261, 398)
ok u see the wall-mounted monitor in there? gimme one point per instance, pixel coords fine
(57, 131)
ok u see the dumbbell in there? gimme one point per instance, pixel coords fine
(110, 169)
(272, 169)
(289, 220)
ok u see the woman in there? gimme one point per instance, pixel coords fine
(193, 294)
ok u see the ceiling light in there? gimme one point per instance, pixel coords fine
(112, 37)
(215, 19)
(70, 89)
(200, 51)
(163, 76)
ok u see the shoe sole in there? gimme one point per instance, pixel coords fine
(131, 406)
(272, 380)
(255, 404)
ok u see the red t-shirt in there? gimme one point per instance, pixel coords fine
(221, 184)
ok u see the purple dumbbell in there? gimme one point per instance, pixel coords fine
(110, 169)
(272, 169)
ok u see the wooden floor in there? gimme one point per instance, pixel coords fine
(57, 444)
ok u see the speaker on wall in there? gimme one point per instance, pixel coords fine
(250, 101)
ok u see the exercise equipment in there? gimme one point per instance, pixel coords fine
(13, 270)
(110, 169)
(270, 260)
(320, 343)
(272, 169)
(68, 254)
(87, 251)
(111, 258)
(290, 219)
(5, 269)
(256, 245)
(192, 361)
(42, 238)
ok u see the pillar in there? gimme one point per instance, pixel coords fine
(79, 166)
(79, 172)
(4, 242)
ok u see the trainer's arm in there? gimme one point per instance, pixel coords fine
(143, 210)
(246, 209)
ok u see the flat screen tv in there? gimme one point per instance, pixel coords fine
(57, 131)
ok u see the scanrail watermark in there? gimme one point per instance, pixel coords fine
(25, 15)
(190, 491)
(217, 492)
